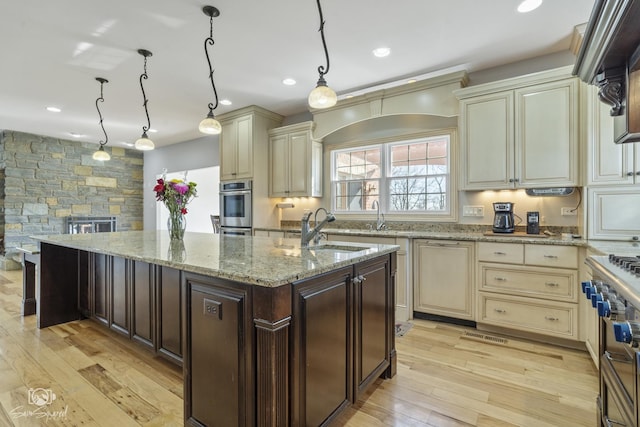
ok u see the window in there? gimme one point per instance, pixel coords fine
(404, 177)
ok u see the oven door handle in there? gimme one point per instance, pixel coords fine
(616, 359)
(235, 192)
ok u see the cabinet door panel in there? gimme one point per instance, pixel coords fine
(100, 288)
(372, 318)
(299, 163)
(169, 314)
(120, 296)
(217, 353)
(444, 279)
(546, 134)
(244, 153)
(322, 362)
(228, 151)
(279, 166)
(142, 328)
(487, 126)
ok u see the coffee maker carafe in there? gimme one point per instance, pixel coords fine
(503, 219)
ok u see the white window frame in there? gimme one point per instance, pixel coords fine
(448, 215)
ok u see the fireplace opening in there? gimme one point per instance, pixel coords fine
(89, 224)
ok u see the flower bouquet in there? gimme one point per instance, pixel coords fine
(175, 194)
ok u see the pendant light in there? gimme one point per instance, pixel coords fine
(101, 155)
(144, 143)
(209, 124)
(322, 96)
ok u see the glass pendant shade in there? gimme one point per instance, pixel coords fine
(322, 96)
(101, 155)
(144, 143)
(210, 125)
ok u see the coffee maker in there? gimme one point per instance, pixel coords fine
(503, 217)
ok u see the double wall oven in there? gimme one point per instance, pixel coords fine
(235, 207)
(615, 293)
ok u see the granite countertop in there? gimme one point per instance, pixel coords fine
(450, 235)
(263, 261)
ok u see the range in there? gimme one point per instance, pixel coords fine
(615, 293)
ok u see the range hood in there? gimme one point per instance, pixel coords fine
(610, 58)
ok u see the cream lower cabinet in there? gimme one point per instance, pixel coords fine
(444, 278)
(529, 287)
(403, 295)
(590, 333)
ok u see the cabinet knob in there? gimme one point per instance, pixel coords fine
(517, 180)
(551, 318)
(630, 173)
(638, 173)
(499, 310)
(512, 180)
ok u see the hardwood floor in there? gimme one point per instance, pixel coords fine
(447, 376)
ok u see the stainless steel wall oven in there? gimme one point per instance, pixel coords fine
(235, 205)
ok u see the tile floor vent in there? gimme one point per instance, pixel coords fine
(484, 337)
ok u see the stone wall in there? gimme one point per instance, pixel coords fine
(48, 179)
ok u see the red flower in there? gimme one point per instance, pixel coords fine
(183, 211)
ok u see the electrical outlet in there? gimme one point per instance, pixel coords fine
(477, 211)
(568, 212)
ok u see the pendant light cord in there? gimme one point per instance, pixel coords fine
(144, 95)
(209, 42)
(101, 99)
(321, 70)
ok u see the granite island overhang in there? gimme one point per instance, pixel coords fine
(268, 333)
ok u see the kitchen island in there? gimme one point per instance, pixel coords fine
(268, 333)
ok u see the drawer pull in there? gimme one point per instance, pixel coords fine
(551, 318)
(447, 244)
(499, 310)
(551, 256)
(499, 253)
(552, 284)
(500, 279)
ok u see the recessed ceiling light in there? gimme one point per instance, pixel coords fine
(289, 81)
(153, 130)
(54, 109)
(411, 81)
(529, 5)
(348, 96)
(381, 52)
(127, 144)
(225, 102)
(76, 135)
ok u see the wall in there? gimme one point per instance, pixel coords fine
(195, 154)
(48, 179)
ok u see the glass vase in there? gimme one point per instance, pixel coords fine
(176, 225)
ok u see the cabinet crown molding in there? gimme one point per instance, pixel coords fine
(516, 82)
(252, 109)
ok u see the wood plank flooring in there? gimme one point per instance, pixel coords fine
(447, 376)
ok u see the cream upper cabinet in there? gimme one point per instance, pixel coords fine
(295, 162)
(608, 163)
(444, 281)
(236, 149)
(523, 137)
(244, 133)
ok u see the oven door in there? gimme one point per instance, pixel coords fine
(615, 408)
(235, 208)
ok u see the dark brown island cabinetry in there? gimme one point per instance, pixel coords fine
(295, 354)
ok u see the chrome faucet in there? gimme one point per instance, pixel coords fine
(380, 225)
(306, 233)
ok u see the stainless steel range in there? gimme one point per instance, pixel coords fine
(615, 293)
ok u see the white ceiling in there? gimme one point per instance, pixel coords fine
(52, 50)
